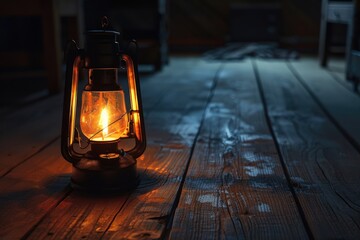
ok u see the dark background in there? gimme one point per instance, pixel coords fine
(185, 27)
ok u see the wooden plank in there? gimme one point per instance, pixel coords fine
(27, 131)
(84, 215)
(340, 103)
(337, 68)
(170, 136)
(235, 187)
(340, 78)
(323, 166)
(31, 190)
(161, 85)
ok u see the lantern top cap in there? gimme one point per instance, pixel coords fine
(102, 47)
(105, 30)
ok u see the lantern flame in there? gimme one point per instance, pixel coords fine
(104, 122)
(103, 115)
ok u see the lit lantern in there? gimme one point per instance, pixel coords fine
(105, 139)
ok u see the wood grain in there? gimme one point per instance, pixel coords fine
(235, 187)
(28, 131)
(215, 135)
(343, 105)
(336, 68)
(321, 163)
(31, 190)
(340, 78)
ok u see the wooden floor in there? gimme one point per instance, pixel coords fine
(252, 149)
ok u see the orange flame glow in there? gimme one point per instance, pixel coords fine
(104, 122)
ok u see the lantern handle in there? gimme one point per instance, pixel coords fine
(136, 114)
(105, 22)
(73, 61)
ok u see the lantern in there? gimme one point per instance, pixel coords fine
(104, 140)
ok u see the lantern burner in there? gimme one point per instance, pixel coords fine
(105, 174)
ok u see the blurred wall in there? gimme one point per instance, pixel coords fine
(205, 23)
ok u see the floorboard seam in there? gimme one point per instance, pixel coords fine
(29, 157)
(68, 191)
(170, 219)
(348, 137)
(286, 172)
(115, 215)
(343, 84)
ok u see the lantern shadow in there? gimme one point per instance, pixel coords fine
(23, 188)
(24, 191)
(31, 198)
(150, 180)
(26, 196)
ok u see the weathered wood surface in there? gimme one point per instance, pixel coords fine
(219, 163)
(323, 166)
(235, 187)
(343, 105)
(337, 69)
(26, 132)
(31, 190)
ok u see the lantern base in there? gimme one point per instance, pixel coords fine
(105, 175)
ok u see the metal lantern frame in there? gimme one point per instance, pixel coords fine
(106, 166)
